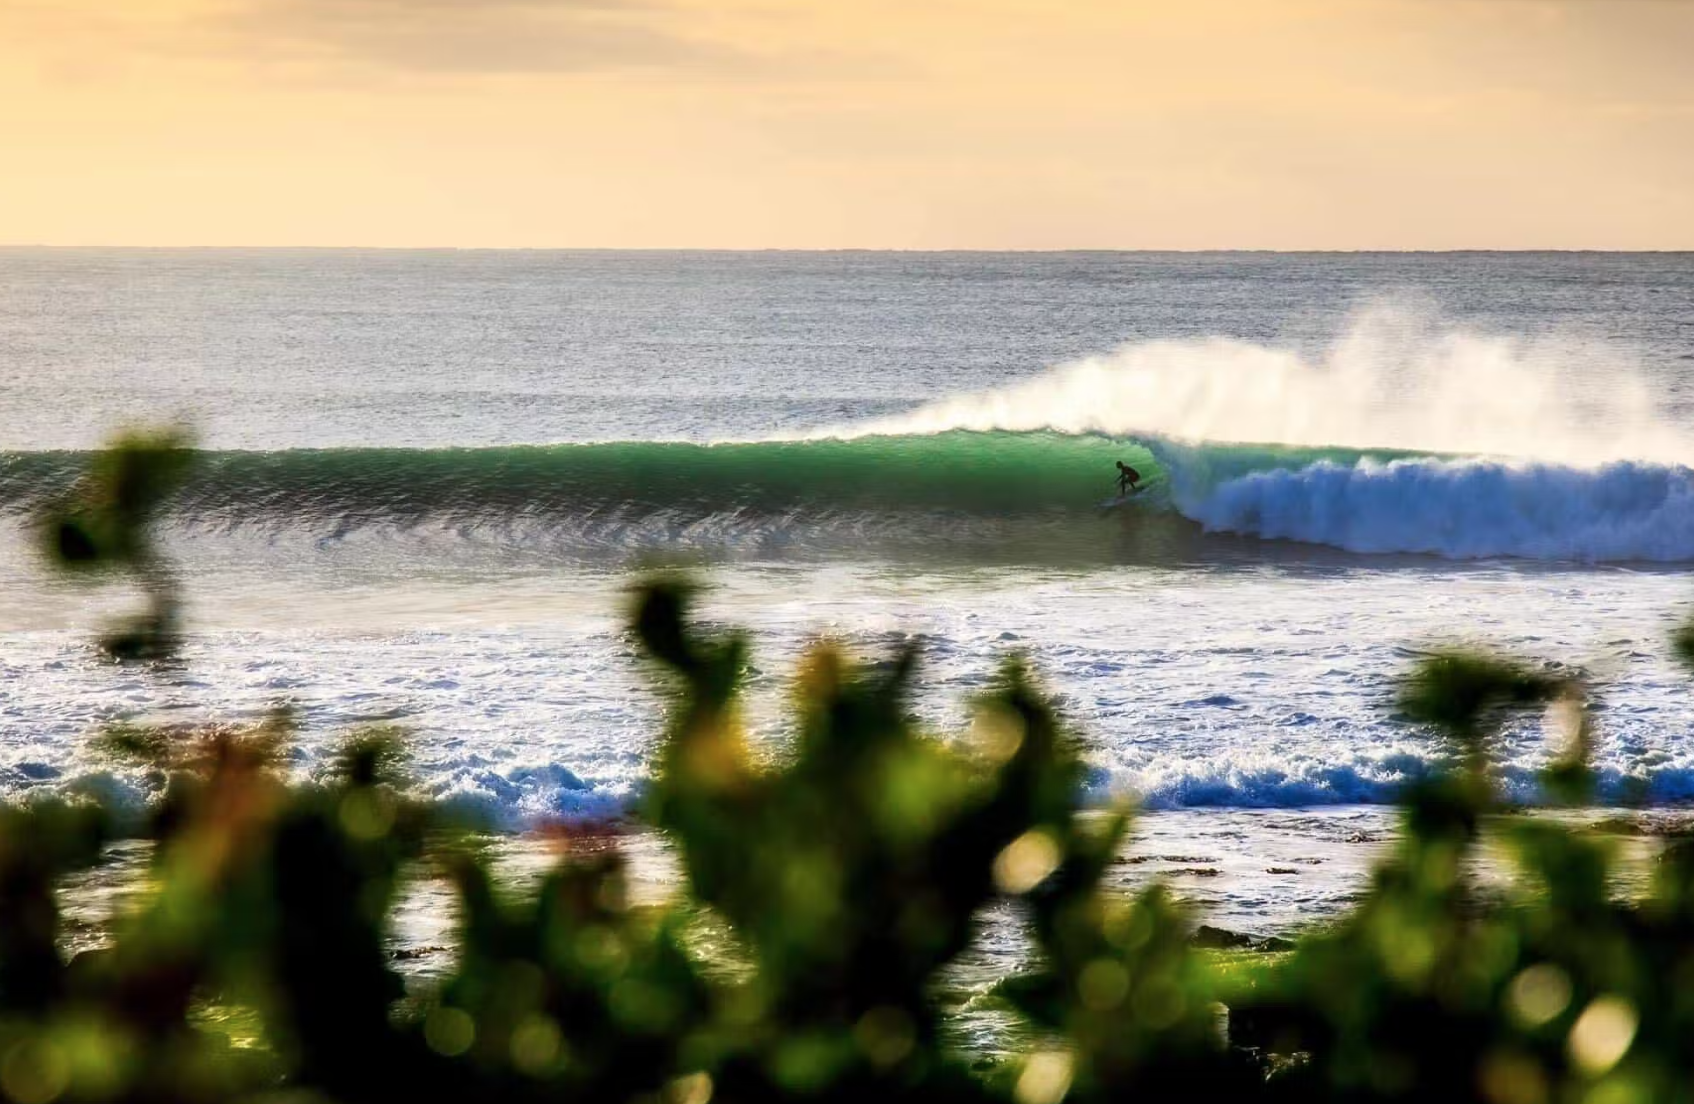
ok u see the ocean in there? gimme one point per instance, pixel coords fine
(432, 476)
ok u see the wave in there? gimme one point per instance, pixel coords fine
(1030, 490)
(1389, 441)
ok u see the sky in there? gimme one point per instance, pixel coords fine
(903, 124)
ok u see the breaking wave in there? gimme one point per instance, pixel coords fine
(1467, 509)
(1033, 486)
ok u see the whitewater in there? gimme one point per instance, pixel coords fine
(430, 478)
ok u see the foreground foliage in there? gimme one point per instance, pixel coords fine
(850, 875)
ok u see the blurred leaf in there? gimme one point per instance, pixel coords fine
(1459, 691)
(1682, 643)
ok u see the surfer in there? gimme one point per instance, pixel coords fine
(1128, 479)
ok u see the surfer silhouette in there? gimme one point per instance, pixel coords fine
(1128, 479)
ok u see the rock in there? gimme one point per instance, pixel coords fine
(407, 954)
(1220, 939)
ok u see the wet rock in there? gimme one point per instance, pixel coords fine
(1220, 939)
(408, 954)
(1211, 938)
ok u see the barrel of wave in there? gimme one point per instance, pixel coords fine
(996, 473)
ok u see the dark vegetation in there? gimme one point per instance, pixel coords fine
(850, 876)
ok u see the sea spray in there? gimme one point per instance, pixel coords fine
(1392, 380)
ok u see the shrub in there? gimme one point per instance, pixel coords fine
(851, 876)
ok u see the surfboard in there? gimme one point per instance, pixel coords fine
(1114, 503)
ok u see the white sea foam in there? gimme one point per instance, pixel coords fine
(1465, 509)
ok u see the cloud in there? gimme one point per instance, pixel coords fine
(468, 36)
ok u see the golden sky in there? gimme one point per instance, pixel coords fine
(1017, 124)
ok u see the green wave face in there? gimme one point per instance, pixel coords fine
(969, 472)
(987, 474)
